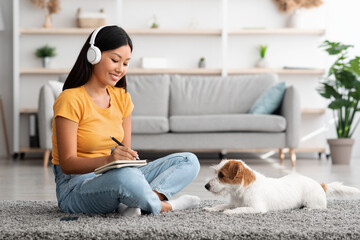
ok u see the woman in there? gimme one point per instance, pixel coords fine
(94, 104)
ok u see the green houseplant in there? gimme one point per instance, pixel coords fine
(45, 53)
(262, 62)
(342, 88)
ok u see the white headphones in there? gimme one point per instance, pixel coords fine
(94, 53)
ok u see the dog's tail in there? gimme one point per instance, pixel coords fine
(337, 189)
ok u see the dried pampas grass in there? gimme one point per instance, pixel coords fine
(290, 5)
(53, 6)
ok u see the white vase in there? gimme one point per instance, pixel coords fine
(46, 62)
(262, 63)
(294, 19)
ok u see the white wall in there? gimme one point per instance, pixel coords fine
(338, 17)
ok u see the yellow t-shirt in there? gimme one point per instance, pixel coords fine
(96, 124)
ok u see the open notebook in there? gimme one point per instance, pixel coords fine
(120, 164)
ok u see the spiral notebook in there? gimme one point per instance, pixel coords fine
(120, 164)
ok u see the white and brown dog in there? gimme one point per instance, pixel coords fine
(252, 192)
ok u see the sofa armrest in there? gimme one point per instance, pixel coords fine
(45, 116)
(291, 110)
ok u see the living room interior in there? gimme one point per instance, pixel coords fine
(223, 55)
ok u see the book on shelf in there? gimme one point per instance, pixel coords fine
(33, 131)
(299, 67)
(120, 164)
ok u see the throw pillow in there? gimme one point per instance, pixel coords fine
(270, 100)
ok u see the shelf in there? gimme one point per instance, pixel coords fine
(55, 31)
(30, 150)
(28, 110)
(160, 31)
(277, 70)
(195, 71)
(82, 31)
(277, 31)
(315, 111)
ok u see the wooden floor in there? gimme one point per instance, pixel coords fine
(27, 179)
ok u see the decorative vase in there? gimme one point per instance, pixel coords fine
(202, 64)
(47, 23)
(46, 62)
(294, 19)
(340, 150)
(262, 63)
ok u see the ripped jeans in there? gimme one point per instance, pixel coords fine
(132, 186)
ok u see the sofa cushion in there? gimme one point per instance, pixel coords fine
(204, 95)
(270, 100)
(150, 94)
(143, 124)
(56, 87)
(228, 123)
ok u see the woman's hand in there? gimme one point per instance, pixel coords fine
(123, 153)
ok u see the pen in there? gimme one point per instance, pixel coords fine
(119, 143)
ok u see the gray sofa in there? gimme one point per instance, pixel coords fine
(200, 113)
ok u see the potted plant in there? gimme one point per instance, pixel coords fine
(342, 89)
(262, 62)
(202, 62)
(45, 53)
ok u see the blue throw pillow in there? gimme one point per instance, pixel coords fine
(270, 100)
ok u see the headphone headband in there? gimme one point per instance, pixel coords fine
(93, 36)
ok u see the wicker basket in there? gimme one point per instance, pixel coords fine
(90, 20)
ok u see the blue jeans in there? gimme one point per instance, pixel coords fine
(132, 186)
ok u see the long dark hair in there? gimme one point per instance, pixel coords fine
(108, 38)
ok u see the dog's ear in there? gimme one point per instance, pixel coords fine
(233, 170)
(247, 175)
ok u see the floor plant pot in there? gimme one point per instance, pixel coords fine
(340, 150)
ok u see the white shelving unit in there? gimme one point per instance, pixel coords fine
(223, 33)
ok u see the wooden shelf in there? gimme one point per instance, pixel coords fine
(313, 111)
(55, 31)
(277, 31)
(28, 110)
(87, 31)
(160, 31)
(30, 150)
(277, 70)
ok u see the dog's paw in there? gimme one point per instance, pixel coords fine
(209, 209)
(230, 212)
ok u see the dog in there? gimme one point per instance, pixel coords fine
(252, 192)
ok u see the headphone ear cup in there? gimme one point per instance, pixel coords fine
(93, 55)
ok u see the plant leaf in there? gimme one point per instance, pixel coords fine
(355, 65)
(334, 48)
(346, 78)
(328, 91)
(355, 95)
(339, 103)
